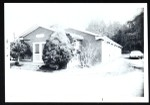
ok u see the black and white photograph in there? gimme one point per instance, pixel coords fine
(76, 52)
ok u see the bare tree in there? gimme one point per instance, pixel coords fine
(99, 27)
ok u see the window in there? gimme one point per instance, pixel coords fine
(36, 48)
(108, 42)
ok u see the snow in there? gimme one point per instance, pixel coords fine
(101, 82)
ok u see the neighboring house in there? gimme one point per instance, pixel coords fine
(106, 48)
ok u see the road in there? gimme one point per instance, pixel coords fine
(116, 79)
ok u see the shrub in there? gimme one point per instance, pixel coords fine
(19, 49)
(89, 55)
(57, 51)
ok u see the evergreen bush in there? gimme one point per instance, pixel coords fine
(57, 51)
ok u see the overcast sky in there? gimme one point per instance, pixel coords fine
(19, 17)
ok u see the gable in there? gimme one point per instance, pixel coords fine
(88, 37)
(38, 35)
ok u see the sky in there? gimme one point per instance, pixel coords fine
(19, 17)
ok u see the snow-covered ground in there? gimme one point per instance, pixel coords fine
(114, 81)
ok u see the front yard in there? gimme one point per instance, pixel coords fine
(117, 79)
(26, 66)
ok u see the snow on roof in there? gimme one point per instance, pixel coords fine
(84, 31)
(97, 36)
(105, 38)
(52, 29)
(77, 36)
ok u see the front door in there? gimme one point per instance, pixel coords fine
(38, 51)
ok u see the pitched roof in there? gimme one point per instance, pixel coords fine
(52, 29)
(83, 31)
(105, 38)
(77, 36)
(33, 29)
(97, 36)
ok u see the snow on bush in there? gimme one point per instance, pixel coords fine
(57, 51)
(19, 49)
(89, 55)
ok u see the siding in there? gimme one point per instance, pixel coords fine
(89, 39)
(32, 36)
(101, 49)
(109, 51)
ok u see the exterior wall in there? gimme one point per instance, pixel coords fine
(103, 50)
(33, 39)
(89, 41)
(87, 37)
(109, 51)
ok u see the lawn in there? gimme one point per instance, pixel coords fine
(116, 79)
(26, 65)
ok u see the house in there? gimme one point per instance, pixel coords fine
(36, 38)
(103, 47)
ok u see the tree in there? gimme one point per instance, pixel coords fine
(57, 51)
(113, 28)
(19, 49)
(131, 36)
(99, 27)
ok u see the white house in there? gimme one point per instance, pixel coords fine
(107, 49)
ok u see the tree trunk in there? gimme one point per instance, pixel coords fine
(18, 60)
